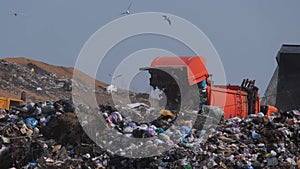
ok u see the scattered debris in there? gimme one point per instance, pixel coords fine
(111, 89)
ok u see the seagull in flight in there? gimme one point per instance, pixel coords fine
(167, 18)
(114, 77)
(17, 14)
(127, 12)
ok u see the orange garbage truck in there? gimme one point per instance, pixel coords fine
(175, 76)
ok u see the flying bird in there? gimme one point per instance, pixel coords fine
(17, 14)
(167, 18)
(114, 77)
(127, 12)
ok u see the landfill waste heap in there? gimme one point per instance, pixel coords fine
(41, 81)
(48, 135)
(17, 78)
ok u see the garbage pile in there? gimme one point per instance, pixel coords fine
(49, 135)
(257, 141)
(34, 79)
(26, 134)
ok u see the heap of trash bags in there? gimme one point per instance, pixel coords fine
(49, 135)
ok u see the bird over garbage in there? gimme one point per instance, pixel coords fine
(127, 12)
(17, 14)
(167, 18)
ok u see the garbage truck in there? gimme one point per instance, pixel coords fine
(184, 77)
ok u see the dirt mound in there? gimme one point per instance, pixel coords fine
(65, 130)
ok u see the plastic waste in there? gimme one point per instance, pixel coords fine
(32, 164)
(188, 166)
(5, 139)
(159, 130)
(255, 135)
(32, 122)
(248, 166)
(185, 130)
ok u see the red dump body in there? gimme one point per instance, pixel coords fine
(196, 71)
(236, 101)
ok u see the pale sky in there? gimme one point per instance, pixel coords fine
(246, 34)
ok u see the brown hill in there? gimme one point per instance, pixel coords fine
(41, 81)
(60, 71)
